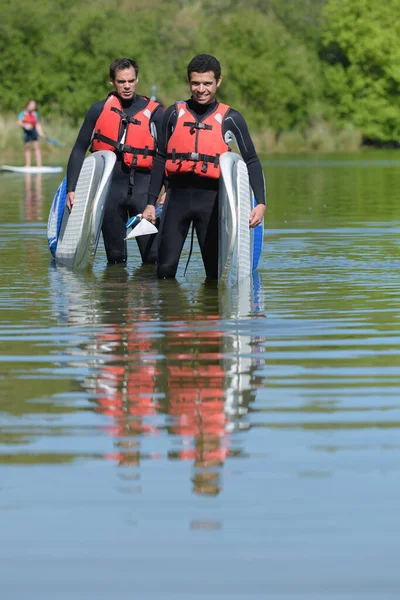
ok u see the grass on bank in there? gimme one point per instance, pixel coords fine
(320, 137)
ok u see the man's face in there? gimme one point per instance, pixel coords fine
(125, 83)
(204, 86)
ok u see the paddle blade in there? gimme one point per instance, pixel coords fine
(143, 228)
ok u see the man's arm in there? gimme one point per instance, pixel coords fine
(79, 150)
(157, 118)
(236, 127)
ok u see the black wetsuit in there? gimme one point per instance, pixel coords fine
(120, 205)
(192, 198)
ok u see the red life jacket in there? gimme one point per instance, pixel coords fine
(138, 147)
(196, 144)
(30, 118)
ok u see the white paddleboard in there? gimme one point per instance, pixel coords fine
(239, 245)
(48, 169)
(73, 239)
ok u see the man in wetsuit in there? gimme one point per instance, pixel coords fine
(194, 133)
(128, 124)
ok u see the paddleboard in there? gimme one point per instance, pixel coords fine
(73, 236)
(31, 169)
(240, 246)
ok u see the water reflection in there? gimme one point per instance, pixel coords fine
(171, 367)
(33, 197)
(291, 409)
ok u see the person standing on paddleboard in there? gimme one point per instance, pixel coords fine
(29, 121)
(194, 134)
(129, 125)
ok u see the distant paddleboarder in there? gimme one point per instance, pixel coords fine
(29, 121)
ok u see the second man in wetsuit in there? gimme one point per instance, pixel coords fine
(129, 125)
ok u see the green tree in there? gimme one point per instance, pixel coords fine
(270, 76)
(360, 49)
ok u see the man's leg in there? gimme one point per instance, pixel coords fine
(114, 223)
(206, 225)
(174, 227)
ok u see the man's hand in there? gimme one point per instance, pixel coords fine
(149, 213)
(70, 200)
(257, 215)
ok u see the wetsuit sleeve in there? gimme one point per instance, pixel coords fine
(157, 119)
(158, 170)
(235, 125)
(81, 145)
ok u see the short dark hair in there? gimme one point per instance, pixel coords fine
(123, 63)
(202, 63)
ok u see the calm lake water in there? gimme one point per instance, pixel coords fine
(168, 440)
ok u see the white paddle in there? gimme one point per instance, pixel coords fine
(141, 227)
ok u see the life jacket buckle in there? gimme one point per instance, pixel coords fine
(194, 156)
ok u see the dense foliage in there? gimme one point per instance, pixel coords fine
(286, 64)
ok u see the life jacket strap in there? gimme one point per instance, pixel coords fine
(125, 148)
(103, 138)
(136, 151)
(125, 119)
(196, 125)
(196, 157)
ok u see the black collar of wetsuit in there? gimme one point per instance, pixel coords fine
(127, 103)
(201, 109)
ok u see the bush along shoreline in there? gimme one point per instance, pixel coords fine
(311, 75)
(319, 137)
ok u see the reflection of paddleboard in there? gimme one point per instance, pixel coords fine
(30, 169)
(73, 236)
(241, 352)
(239, 245)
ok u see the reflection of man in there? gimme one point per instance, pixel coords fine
(33, 197)
(126, 386)
(160, 353)
(194, 384)
(196, 405)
